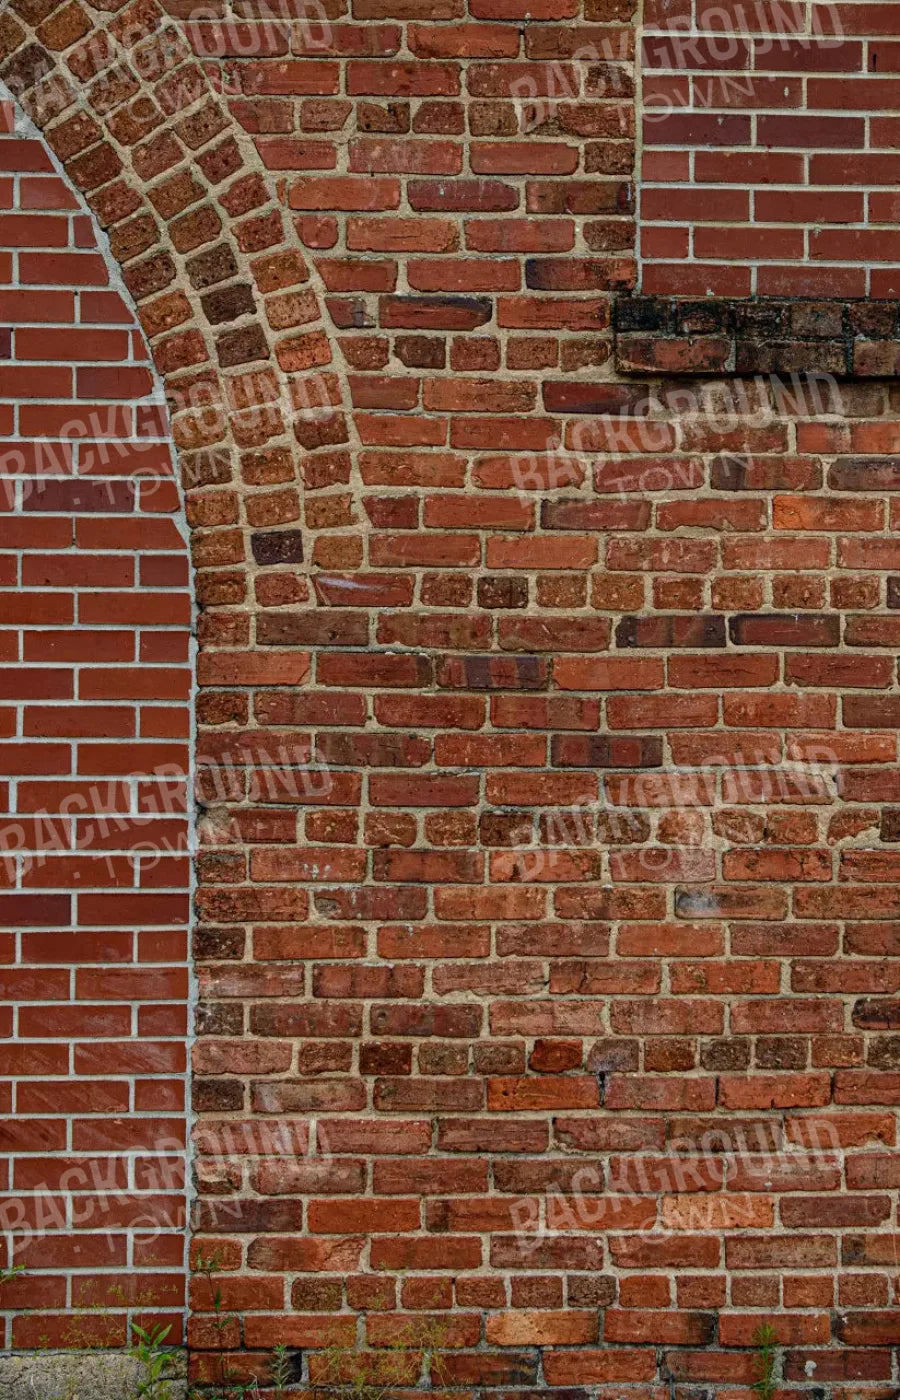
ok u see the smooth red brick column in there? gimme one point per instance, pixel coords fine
(95, 643)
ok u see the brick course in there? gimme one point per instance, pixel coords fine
(545, 916)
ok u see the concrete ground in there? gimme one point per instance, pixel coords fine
(69, 1375)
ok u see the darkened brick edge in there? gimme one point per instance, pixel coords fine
(771, 335)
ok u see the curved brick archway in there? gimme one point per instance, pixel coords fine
(523, 860)
(226, 305)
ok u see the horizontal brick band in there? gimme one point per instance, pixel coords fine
(772, 335)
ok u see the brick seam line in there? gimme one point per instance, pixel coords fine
(25, 126)
(638, 149)
(251, 162)
(117, 283)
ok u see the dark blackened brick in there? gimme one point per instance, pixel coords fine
(643, 314)
(702, 317)
(277, 546)
(228, 303)
(499, 592)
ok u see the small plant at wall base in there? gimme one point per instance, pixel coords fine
(281, 1370)
(280, 1377)
(411, 1360)
(765, 1339)
(158, 1362)
(227, 1385)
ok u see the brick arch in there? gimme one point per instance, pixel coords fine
(229, 305)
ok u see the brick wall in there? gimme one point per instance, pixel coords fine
(546, 909)
(769, 133)
(94, 639)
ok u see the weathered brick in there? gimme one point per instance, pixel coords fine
(545, 741)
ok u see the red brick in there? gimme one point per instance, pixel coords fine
(439, 861)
